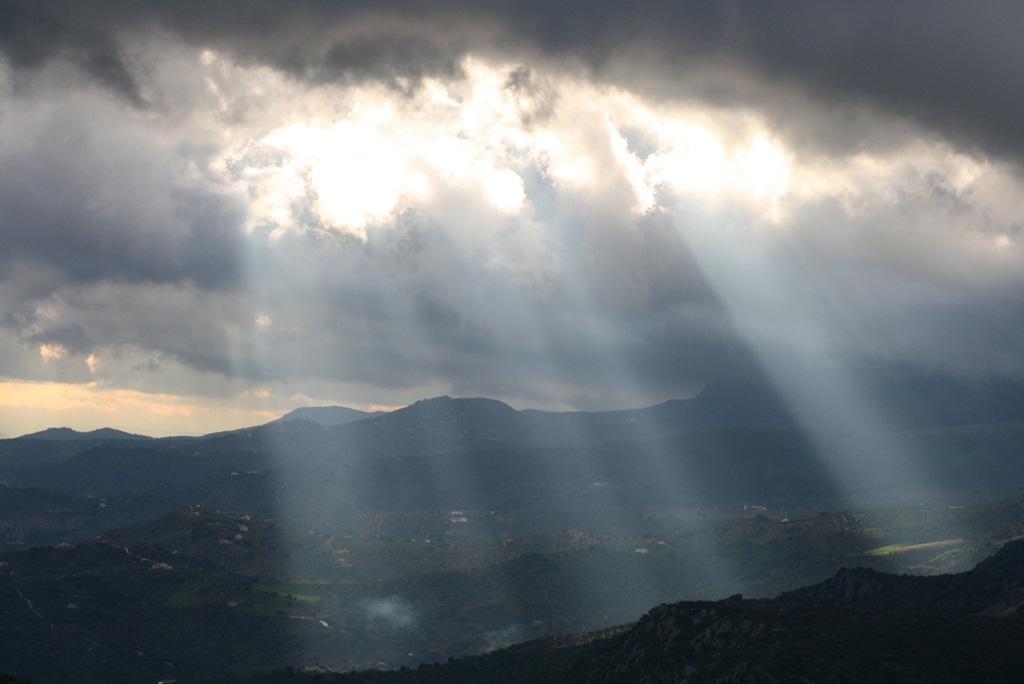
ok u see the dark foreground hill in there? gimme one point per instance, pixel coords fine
(859, 626)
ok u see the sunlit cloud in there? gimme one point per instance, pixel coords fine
(382, 154)
(370, 155)
(52, 351)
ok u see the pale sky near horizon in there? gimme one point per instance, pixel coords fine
(212, 213)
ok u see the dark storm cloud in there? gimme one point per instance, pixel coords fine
(399, 63)
(31, 34)
(956, 67)
(107, 237)
(953, 66)
(97, 205)
(315, 39)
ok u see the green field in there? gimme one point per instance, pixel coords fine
(890, 549)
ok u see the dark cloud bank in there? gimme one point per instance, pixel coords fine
(951, 65)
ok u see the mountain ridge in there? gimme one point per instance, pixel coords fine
(921, 401)
(70, 434)
(328, 416)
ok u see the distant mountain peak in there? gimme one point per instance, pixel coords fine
(445, 399)
(327, 416)
(472, 404)
(68, 434)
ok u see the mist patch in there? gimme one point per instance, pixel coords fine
(391, 614)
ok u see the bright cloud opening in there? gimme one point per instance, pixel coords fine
(369, 154)
(51, 352)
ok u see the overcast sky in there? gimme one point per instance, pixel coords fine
(213, 212)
